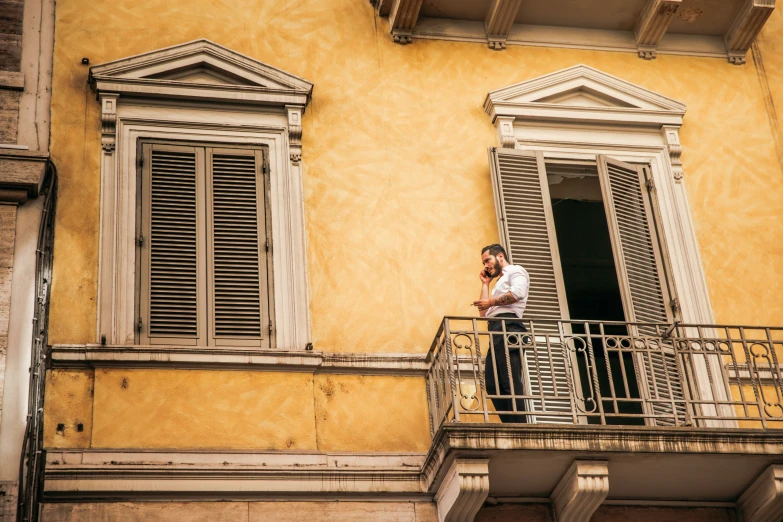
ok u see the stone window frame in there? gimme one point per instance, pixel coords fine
(148, 97)
(580, 113)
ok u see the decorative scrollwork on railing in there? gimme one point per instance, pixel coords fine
(609, 373)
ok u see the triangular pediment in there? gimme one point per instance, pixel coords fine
(200, 63)
(583, 93)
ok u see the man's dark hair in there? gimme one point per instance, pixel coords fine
(494, 250)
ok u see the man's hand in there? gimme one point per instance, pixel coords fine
(482, 304)
(485, 278)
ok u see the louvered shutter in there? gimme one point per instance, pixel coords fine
(237, 257)
(527, 232)
(643, 284)
(172, 271)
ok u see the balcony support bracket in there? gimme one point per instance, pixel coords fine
(403, 16)
(581, 490)
(498, 22)
(463, 490)
(763, 500)
(746, 27)
(652, 25)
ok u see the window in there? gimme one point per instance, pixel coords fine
(203, 248)
(219, 190)
(626, 240)
(589, 188)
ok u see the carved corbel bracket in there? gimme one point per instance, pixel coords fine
(581, 490)
(652, 25)
(763, 500)
(463, 490)
(496, 43)
(403, 15)
(746, 27)
(671, 136)
(108, 121)
(500, 17)
(505, 125)
(295, 132)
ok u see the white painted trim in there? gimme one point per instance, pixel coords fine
(37, 63)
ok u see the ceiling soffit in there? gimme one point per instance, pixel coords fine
(201, 70)
(690, 27)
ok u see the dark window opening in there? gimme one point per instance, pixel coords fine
(591, 286)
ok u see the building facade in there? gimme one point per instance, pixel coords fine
(269, 222)
(26, 45)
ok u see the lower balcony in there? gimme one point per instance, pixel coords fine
(583, 413)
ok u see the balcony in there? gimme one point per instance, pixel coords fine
(667, 414)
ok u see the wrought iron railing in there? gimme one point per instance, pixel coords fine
(587, 372)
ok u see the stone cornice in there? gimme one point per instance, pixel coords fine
(21, 173)
(480, 439)
(499, 26)
(95, 474)
(12, 80)
(135, 356)
(101, 474)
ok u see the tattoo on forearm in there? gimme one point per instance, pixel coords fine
(505, 299)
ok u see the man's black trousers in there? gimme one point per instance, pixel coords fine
(500, 384)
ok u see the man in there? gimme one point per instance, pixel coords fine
(507, 301)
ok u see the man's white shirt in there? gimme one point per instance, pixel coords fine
(516, 280)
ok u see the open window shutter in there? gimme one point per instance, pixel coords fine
(527, 231)
(238, 248)
(527, 228)
(172, 288)
(643, 283)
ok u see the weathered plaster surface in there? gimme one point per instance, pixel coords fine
(398, 197)
(358, 413)
(189, 409)
(148, 512)
(69, 401)
(227, 410)
(243, 511)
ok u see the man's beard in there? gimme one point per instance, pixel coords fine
(496, 270)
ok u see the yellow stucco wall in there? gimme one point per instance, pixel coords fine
(69, 395)
(235, 410)
(398, 203)
(397, 192)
